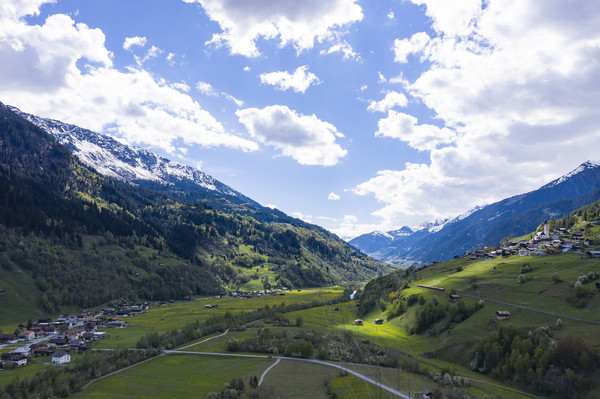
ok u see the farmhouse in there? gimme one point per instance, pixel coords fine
(378, 321)
(60, 358)
(18, 358)
(502, 314)
(358, 322)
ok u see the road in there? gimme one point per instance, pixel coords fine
(361, 376)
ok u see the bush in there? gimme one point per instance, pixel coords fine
(555, 278)
(522, 278)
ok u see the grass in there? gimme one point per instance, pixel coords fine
(175, 315)
(174, 376)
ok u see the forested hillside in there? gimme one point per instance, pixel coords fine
(84, 239)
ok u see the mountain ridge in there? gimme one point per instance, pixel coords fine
(489, 224)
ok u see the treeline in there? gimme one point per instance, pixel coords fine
(60, 382)
(305, 343)
(587, 213)
(560, 368)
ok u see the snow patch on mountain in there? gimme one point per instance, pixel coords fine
(114, 159)
(584, 166)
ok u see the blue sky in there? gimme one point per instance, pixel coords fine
(354, 115)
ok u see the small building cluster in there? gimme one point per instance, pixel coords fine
(543, 243)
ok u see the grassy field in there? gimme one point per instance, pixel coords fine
(174, 376)
(175, 315)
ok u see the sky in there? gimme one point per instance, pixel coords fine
(353, 115)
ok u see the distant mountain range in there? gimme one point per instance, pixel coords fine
(511, 217)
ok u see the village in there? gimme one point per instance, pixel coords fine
(70, 335)
(61, 338)
(543, 243)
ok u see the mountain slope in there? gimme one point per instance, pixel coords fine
(86, 239)
(146, 169)
(513, 216)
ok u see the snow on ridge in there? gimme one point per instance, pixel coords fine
(112, 158)
(584, 166)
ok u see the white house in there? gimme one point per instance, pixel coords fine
(60, 358)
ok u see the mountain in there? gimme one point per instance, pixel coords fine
(487, 225)
(72, 237)
(143, 168)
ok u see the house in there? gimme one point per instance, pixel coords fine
(454, 297)
(42, 351)
(593, 254)
(358, 322)
(7, 338)
(378, 321)
(60, 358)
(27, 335)
(502, 314)
(58, 341)
(427, 394)
(18, 359)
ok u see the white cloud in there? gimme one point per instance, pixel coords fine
(134, 41)
(299, 23)
(238, 102)
(391, 15)
(350, 219)
(301, 216)
(333, 196)
(421, 137)
(514, 86)
(363, 87)
(181, 86)
(299, 81)
(342, 47)
(392, 99)
(403, 48)
(206, 89)
(40, 74)
(272, 206)
(246, 68)
(304, 138)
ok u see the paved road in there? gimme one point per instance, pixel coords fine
(262, 376)
(532, 309)
(361, 376)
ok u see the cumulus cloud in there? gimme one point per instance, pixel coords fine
(305, 138)
(404, 47)
(299, 23)
(514, 86)
(421, 137)
(392, 99)
(342, 47)
(134, 41)
(299, 81)
(40, 74)
(333, 196)
(391, 15)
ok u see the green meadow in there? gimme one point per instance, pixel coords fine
(174, 376)
(175, 315)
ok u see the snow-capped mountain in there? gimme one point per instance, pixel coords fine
(134, 165)
(442, 239)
